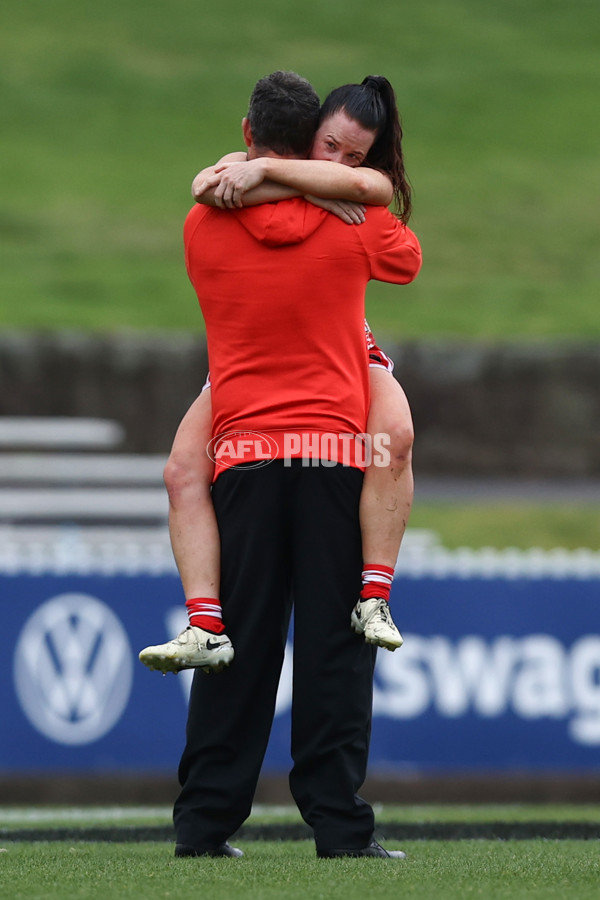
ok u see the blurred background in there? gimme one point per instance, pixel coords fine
(107, 113)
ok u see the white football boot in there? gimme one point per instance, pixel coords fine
(374, 619)
(194, 648)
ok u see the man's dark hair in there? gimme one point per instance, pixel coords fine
(284, 113)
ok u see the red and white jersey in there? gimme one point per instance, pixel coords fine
(377, 358)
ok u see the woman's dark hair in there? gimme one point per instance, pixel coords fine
(373, 105)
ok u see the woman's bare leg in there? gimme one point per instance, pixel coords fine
(385, 504)
(196, 548)
(192, 523)
(387, 493)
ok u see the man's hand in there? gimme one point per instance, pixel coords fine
(231, 181)
(347, 210)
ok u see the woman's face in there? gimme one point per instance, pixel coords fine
(341, 139)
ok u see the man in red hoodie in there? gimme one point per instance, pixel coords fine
(282, 287)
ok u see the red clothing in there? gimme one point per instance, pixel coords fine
(282, 288)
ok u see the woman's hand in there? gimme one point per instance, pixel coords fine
(347, 210)
(231, 181)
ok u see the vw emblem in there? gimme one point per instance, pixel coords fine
(73, 669)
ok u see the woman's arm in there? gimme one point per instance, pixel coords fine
(348, 211)
(204, 192)
(231, 181)
(200, 179)
(268, 192)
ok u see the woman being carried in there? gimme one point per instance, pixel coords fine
(356, 159)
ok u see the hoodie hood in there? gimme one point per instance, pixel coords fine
(279, 224)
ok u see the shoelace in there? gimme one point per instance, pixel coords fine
(385, 614)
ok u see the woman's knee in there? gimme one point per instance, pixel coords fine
(390, 417)
(186, 475)
(401, 437)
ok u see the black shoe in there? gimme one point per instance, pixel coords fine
(223, 849)
(374, 849)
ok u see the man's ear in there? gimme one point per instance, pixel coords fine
(247, 132)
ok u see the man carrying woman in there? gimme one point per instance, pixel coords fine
(356, 158)
(281, 287)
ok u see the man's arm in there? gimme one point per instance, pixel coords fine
(232, 181)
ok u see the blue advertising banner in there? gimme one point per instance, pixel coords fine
(496, 673)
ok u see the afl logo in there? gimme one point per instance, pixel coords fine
(73, 669)
(252, 448)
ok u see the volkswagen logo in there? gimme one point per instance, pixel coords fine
(73, 669)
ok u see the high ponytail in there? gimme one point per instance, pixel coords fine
(373, 105)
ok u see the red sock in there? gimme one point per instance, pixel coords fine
(377, 581)
(205, 612)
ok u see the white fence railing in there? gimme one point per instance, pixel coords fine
(83, 550)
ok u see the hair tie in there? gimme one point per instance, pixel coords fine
(375, 82)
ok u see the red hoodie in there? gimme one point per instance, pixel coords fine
(282, 288)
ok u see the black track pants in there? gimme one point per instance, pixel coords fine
(287, 532)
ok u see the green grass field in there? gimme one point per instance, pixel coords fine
(519, 525)
(540, 869)
(108, 110)
(535, 870)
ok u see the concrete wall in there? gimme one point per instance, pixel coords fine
(516, 409)
(144, 381)
(511, 409)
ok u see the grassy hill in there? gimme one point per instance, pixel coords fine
(107, 111)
